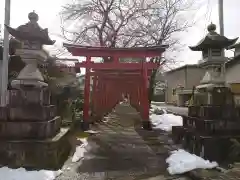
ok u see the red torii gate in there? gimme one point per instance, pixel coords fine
(112, 79)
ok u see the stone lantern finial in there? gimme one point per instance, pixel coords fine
(33, 17)
(211, 27)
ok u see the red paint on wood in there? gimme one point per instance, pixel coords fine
(87, 93)
(113, 79)
(141, 52)
(116, 66)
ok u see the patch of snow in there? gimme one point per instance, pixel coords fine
(181, 161)
(164, 110)
(155, 102)
(166, 121)
(157, 108)
(153, 107)
(91, 132)
(22, 174)
(80, 150)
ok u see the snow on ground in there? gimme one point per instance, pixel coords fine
(181, 161)
(80, 150)
(154, 107)
(91, 131)
(166, 121)
(21, 174)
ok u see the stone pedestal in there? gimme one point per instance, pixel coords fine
(208, 129)
(30, 132)
(50, 153)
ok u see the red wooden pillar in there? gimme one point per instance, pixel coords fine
(138, 97)
(104, 97)
(94, 93)
(87, 94)
(100, 92)
(134, 94)
(145, 105)
(118, 92)
(112, 95)
(107, 97)
(99, 97)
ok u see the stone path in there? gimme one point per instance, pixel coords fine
(124, 151)
(120, 152)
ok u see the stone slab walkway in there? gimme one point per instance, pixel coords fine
(120, 152)
(124, 151)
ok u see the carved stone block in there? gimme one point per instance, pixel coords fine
(213, 148)
(193, 111)
(32, 113)
(210, 112)
(187, 135)
(177, 133)
(3, 113)
(29, 130)
(210, 127)
(23, 97)
(36, 154)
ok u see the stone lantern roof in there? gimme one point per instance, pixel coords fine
(213, 40)
(237, 45)
(31, 31)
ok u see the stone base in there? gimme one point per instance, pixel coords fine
(193, 111)
(28, 96)
(3, 113)
(31, 113)
(213, 148)
(147, 125)
(211, 111)
(211, 126)
(177, 133)
(29, 130)
(32, 154)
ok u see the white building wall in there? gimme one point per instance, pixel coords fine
(233, 74)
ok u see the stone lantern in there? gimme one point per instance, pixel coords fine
(213, 60)
(31, 135)
(213, 119)
(32, 38)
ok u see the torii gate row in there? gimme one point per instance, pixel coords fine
(111, 79)
(107, 92)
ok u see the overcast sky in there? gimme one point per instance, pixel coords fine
(48, 11)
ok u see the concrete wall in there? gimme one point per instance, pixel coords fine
(237, 52)
(194, 76)
(233, 79)
(187, 76)
(233, 74)
(173, 80)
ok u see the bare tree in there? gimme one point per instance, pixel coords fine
(126, 23)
